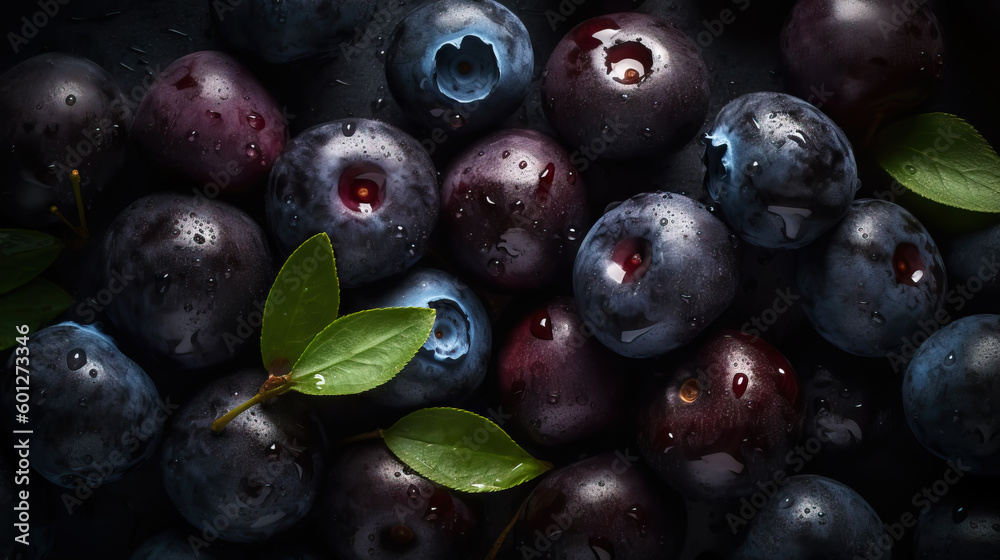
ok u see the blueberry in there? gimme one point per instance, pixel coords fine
(653, 272)
(515, 209)
(453, 361)
(376, 507)
(600, 508)
(260, 475)
(625, 85)
(972, 263)
(559, 385)
(949, 389)
(96, 414)
(371, 187)
(781, 171)
(868, 283)
(459, 65)
(862, 60)
(291, 29)
(722, 422)
(963, 524)
(208, 117)
(189, 278)
(814, 517)
(59, 112)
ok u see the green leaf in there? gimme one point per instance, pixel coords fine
(461, 450)
(943, 158)
(24, 254)
(304, 300)
(33, 304)
(363, 350)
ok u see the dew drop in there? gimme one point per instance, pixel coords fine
(949, 360)
(786, 503)
(553, 398)
(76, 359)
(494, 267)
(740, 382)
(251, 150)
(199, 239)
(541, 325)
(348, 129)
(71, 100)
(910, 169)
(255, 120)
(213, 114)
(505, 154)
(522, 164)
(93, 374)
(218, 145)
(959, 514)
(192, 136)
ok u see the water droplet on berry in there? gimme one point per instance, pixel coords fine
(347, 129)
(740, 382)
(522, 164)
(71, 100)
(192, 136)
(255, 120)
(949, 360)
(541, 325)
(494, 267)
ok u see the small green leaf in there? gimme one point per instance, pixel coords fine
(24, 254)
(943, 158)
(363, 350)
(33, 304)
(447, 446)
(304, 300)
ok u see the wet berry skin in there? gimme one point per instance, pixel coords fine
(948, 391)
(206, 116)
(261, 473)
(191, 277)
(459, 65)
(284, 31)
(58, 112)
(453, 361)
(862, 60)
(601, 507)
(375, 507)
(868, 282)
(370, 186)
(811, 516)
(780, 170)
(99, 414)
(966, 525)
(625, 85)
(515, 209)
(558, 384)
(653, 272)
(724, 420)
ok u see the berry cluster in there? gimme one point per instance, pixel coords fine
(660, 246)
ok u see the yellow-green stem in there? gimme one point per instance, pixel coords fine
(374, 434)
(273, 387)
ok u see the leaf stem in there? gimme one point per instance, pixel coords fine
(374, 434)
(495, 549)
(271, 388)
